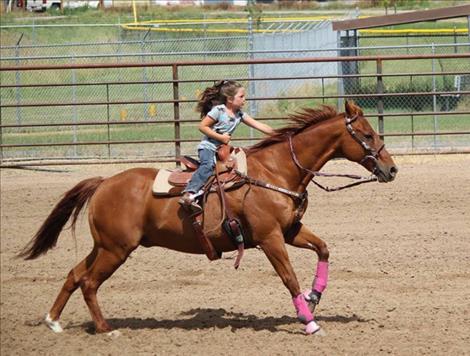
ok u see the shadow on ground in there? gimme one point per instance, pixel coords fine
(207, 318)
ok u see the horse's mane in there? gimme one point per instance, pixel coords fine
(298, 122)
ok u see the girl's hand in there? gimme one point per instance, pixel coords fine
(225, 138)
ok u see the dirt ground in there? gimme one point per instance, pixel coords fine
(399, 276)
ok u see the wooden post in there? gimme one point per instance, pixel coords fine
(176, 113)
(380, 103)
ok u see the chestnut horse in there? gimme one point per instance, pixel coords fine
(124, 214)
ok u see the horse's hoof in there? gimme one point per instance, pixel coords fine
(54, 325)
(114, 333)
(104, 330)
(312, 327)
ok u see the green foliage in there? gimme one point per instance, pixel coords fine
(405, 102)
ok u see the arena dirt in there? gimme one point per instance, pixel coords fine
(399, 281)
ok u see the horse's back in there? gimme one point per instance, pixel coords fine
(136, 174)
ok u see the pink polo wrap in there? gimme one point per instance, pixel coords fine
(321, 277)
(301, 307)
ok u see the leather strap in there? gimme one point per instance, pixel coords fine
(205, 243)
(232, 221)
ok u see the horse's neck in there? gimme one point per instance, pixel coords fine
(313, 148)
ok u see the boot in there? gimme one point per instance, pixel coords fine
(188, 202)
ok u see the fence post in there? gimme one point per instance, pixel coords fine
(251, 70)
(18, 82)
(144, 75)
(75, 109)
(380, 103)
(412, 118)
(176, 113)
(434, 96)
(107, 119)
(340, 81)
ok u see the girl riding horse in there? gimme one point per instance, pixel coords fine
(220, 107)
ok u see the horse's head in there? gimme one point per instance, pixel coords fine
(362, 144)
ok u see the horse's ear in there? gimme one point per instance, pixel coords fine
(351, 109)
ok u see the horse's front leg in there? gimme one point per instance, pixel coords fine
(306, 239)
(275, 249)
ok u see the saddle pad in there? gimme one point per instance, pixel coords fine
(161, 185)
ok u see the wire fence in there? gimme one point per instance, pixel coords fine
(134, 99)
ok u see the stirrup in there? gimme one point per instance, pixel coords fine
(191, 206)
(194, 207)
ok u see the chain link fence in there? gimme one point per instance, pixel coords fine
(94, 112)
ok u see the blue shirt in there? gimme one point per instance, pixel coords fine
(223, 124)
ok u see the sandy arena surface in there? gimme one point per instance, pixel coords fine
(399, 281)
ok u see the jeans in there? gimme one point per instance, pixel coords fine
(204, 171)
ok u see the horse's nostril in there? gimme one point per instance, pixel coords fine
(393, 171)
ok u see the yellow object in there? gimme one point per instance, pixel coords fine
(152, 110)
(134, 8)
(162, 25)
(123, 114)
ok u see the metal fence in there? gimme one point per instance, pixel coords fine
(145, 111)
(119, 99)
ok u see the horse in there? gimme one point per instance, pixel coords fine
(124, 214)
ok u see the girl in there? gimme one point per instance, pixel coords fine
(220, 107)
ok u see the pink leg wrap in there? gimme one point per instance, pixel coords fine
(321, 277)
(303, 312)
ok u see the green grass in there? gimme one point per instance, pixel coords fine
(163, 91)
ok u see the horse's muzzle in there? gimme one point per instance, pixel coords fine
(386, 173)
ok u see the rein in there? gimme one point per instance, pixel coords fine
(370, 154)
(301, 196)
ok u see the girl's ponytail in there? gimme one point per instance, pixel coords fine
(216, 95)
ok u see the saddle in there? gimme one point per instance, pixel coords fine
(172, 181)
(230, 162)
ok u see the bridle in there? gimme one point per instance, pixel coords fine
(370, 153)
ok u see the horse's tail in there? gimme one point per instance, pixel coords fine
(71, 203)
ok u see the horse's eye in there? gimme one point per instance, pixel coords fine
(368, 136)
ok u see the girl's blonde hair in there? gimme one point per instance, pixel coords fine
(216, 95)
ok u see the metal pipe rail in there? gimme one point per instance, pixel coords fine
(177, 100)
(235, 62)
(232, 52)
(194, 121)
(135, 102)
(241, 79)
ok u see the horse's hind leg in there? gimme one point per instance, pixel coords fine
(71, 284)
(105, 264)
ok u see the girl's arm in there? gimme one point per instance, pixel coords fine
(205, 127)
(266, 129)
